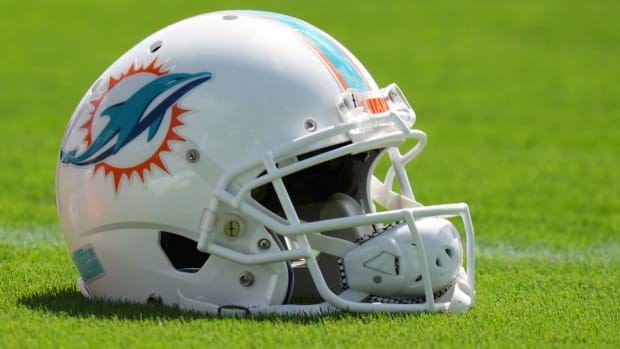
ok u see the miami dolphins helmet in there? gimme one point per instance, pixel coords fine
(245, 162)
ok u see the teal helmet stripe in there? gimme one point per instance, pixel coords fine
(346, 70)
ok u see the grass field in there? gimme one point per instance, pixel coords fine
(521, 105)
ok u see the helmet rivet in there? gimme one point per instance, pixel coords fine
(310, 125)
(264, 244)
(246, 279)
(232, 228)
(154, 298)
(192, 155)
(377, 279)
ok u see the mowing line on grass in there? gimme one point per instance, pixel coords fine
(606, 253)
(39, 236)
(603, 252)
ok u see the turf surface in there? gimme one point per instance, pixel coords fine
(520, 102)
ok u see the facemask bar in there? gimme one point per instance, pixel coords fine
(355, 106)
(382, 190)
(238, 197)
(382, 130)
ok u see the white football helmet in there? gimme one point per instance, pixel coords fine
(226, 164)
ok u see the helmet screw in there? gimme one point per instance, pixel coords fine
(154, 298)
(310, 125)
(246, 279)
(377, 279)
(264, 244)
(192, 155)
(232, 228)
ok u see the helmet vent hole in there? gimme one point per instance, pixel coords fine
(448, 252)
(419, 278)
(438, 262)
(182, 252)
(155, 46)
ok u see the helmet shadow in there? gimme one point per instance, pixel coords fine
(68, 301)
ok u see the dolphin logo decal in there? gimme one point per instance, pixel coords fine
(126, 121)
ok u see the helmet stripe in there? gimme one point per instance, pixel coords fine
(345, 69)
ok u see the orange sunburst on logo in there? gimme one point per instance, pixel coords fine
(133, 122)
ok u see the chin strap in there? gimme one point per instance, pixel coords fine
(457, 298)
(243, 311)
(458, 295)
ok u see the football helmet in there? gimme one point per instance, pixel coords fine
(246, 162)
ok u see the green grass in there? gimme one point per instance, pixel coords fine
(521, 105)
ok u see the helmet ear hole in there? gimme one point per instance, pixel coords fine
(182, 252)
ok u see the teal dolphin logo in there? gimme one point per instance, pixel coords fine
(128, 119)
